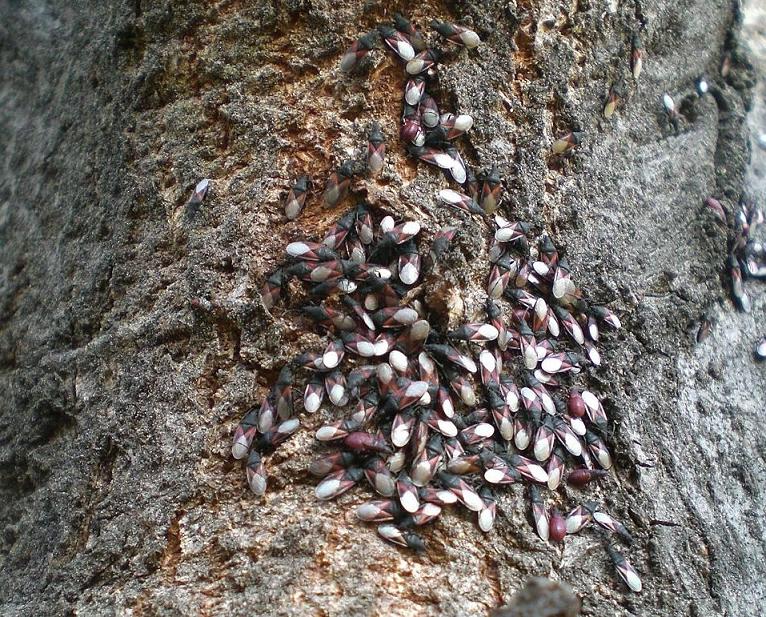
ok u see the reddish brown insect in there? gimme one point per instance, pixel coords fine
(637, 57)
(358, 50)
(457, 34)
(717, 209)
(491, 192)
(423, 61)
(567, 142)
(583, 477)
(397, 42)
(245, 433)
(376, 152)
(337, 184)
(296, 197)
(557, 526)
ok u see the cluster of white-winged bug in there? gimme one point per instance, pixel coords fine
(747, 258)
(436, 417)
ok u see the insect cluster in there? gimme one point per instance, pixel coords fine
(747, 257)
(437, 414)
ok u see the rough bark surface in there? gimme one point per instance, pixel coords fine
(119, 399)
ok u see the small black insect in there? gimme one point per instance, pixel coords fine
(337, 184)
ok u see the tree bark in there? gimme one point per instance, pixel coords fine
(120, 397)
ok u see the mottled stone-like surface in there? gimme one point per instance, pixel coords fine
(542, 597)
(119, 398)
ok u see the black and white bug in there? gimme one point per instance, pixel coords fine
(423, 61)
(539, 512)
(398, 42)
(613, 99)
(272, 288)
(741, 297)
(337, 184)
(358, 50)
(402, 537)
(702, 87)
(567, 142)
(717, 209)
(268, 440)
(414, 36)
(760, 349)
(338, 482)
(429, 112)
(491, 192)
(376, 151)
(637, 54)
(296, 197)
(626, 571)
(245, 433)
(198, 194)
(455, 125)
(414, 90)
(670, 109)
(412, 130)
(747, 257)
